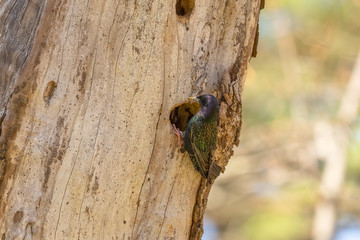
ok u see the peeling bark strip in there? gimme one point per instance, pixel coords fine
(76, 160)
(256, 40)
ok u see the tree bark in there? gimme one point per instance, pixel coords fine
(86, 92)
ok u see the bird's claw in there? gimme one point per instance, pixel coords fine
(178, 134)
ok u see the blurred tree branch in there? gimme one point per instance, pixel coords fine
(331, 142)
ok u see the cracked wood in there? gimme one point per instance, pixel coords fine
(86, 92)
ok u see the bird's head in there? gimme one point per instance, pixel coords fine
(204, 100)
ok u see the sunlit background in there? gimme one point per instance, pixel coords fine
(296, 173)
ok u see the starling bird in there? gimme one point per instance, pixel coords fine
(199, 138)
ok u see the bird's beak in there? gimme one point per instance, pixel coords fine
(193, 99)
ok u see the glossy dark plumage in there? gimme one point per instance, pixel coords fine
(199, 139)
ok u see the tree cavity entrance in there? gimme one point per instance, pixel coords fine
(181, 114)
(184, 7)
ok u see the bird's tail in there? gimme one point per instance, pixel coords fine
(214, 172)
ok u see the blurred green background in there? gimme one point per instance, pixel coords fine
(294, 130)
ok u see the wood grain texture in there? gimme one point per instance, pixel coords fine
(96, 159)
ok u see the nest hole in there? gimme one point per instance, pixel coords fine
(180, 115)
(184, 7)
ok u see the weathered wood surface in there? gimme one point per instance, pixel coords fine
(86, 92)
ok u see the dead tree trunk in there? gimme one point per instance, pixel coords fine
(86, 92)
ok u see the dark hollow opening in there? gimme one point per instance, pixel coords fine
(184, 7)
(181, 115)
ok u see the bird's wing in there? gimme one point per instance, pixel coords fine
(200, 147)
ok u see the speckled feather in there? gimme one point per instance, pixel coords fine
(200, 136)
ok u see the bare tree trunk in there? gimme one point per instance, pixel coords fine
(86, 92)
